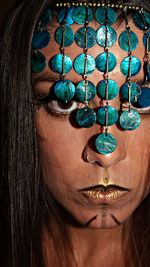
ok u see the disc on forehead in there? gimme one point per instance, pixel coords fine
(102, 59)
(64, 90)
(113, 89)
(124, 40)
(135, 65)
(135, 92)
(144, 98)
(81, 93)
(101, 34)
(46, 18)
(79, 64)
(66, 14)
(38, 62)
(86, 117)
(145, 40)
(79, 14)
(112, 115)
(68, 36)
(139, 21)
(56, 63)
(80, 37)
(130, 120)
(105, 143)
(102, 13)
(40, 39)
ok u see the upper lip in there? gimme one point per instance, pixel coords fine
(104, 188)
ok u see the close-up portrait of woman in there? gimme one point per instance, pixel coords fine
(75, 134)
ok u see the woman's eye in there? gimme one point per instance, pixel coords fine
(55, 106)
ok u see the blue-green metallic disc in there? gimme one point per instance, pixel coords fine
(124, 41)
(101, 36)
(145, 40)
(38, 62)
(40, 39)
(86, 117)
(101, 62)
(138, 20)
(64, 90)
(102, 13)
(80, 37)
(105, 143)
(144, 98)
(135, 66)
(135, 92)
(56, 63)
(65, 15)
(130, 120)
(113, 89)
(79, 64)
(79, 14)
(68, 36)
(112, 115)
(81, 94)
(46, 18)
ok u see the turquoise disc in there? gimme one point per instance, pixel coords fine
(66, 14)
(38, 62)
(112, 115)
(80, 37)
(138, 20)
(79, 64)
(64, 90)
(56, 63)
(40, 39)
(79, 14)
(101, 62)
(135, 66)
(68, 36)
(80, 91)
(101, 36)
(46, 18)
(124, 43)
(145, 40)
(86, 117)
(144, 98)
(130, 120)
(135, 92)
(101, 14)
(113, 89)
(105, 143)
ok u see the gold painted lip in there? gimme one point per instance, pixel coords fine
(104, 188)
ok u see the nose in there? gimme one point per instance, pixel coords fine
(91, 156)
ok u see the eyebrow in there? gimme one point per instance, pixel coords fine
(45, 77)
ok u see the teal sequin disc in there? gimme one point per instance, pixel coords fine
(40, 39)
(64, 90)
(68, 36)
(105, 143)
(38, 62)
(80, 37)
(46, 18)
(124, 41)
(79, 14)
(112, 115)
(79, 64)
(138, 19)
(101, 62)
(144, 98)
(101, 14)
(65, 15)
(56, 63)
(80, 91)
(101, 36)
(130, 120)
(86, 117)
(135, 66)
(135, 92)
(113, 89)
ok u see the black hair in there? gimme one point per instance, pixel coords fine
(26, 206)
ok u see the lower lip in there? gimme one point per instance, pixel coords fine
(99, 197)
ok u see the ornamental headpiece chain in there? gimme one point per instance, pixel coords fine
(85, 64)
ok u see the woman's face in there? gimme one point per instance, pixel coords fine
(65, 146)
